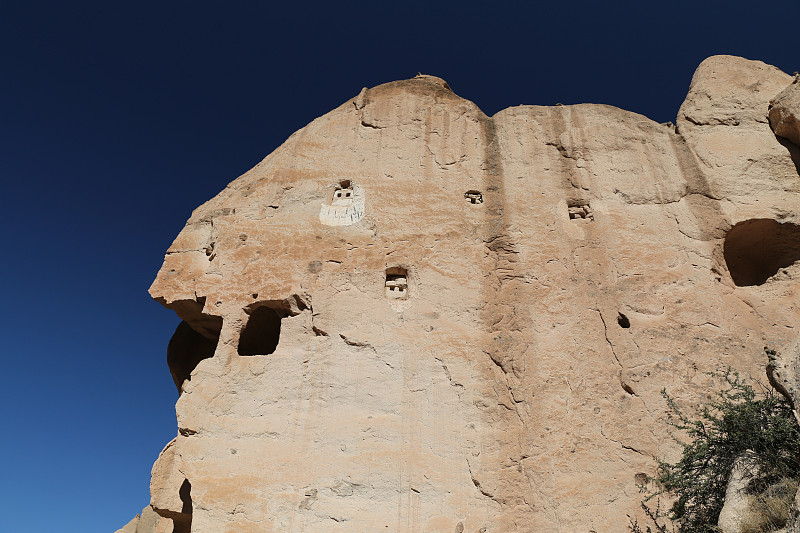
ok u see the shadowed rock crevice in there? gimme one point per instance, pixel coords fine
(794, 152)
(756, 249)
(182, 522)
(187, 348)
(261, 333)
(181, 519)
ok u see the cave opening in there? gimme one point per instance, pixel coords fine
(262, 332)
(756, 249)
(188, 347)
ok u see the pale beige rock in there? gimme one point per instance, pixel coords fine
(130, 527)
(170, 491)
(483, 349)
(724, 121)
(784, 112)
(736, 501)
(148, 521)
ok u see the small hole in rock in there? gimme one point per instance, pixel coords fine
(261, 334)
(623, 321)
(579, 210)
(474, 197)
(397, 283)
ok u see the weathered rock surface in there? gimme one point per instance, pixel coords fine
(427, 319)
(784, 112)
(148, 521)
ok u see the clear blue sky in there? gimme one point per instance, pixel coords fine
(118, 118)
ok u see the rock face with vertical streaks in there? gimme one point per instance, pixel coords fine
(414, 317)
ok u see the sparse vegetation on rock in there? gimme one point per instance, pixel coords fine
(741, 428)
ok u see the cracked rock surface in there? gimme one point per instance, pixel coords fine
(784, 113)
(436, 363)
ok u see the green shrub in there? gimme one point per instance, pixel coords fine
(739, 420)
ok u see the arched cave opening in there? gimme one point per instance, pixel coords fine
(187, 348)
(261, 333)
(756, 249)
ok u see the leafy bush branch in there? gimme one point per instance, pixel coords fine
(741, 428)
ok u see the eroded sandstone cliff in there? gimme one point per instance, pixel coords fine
(414, 317)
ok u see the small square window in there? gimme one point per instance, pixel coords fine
(396, 283)
(580, 211)
(474, 197)
(343, 196)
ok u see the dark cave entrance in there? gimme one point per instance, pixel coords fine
(262, 332)
(188, 347)
(756, 249)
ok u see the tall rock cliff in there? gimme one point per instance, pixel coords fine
(413, 317)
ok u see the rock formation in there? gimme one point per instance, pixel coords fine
(784, 112)
(414, 317)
